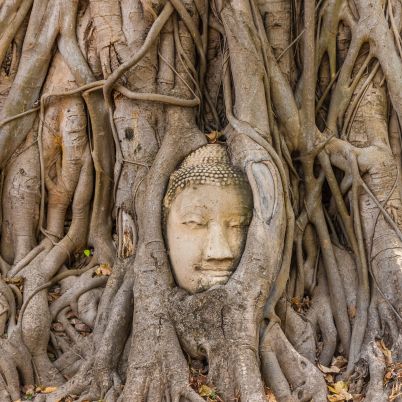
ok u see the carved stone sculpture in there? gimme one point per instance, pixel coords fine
(208, 207)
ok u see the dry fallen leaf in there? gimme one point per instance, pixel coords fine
(15, 280)
(213, 136)
(28, 389)
(339, 361)
(45, 390)
(204, 390)
(299, 304)
(339, 392)
(270, 395)
(352, 311)
(385, 351)
(388, 376)
(326, 370)
(48, 390)
(103, 270)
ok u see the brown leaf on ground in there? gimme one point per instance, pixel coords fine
(300, 305)
(270, 395)
(16, 280)
(199, 382)
(45, 390)
(385, 351)
(53, 294)
(28, 390)
(352, 312)
(103, 270)
(213, 136)
(204, 390)
(339, 361)
(393, 376)
(327, 370)
(339, 392)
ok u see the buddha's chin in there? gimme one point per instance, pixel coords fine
(210, 279)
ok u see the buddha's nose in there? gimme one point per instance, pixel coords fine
(217, 247)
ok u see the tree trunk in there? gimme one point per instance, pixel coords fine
(102, 100)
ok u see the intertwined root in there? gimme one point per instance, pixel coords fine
(15, 365)
(291, 376)
(234, 61)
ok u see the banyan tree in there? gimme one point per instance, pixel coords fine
(200, 200)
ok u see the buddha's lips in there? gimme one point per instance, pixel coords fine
(213, 271)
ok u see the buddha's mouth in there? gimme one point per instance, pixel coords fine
(221, 272)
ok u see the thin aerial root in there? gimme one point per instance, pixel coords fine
(26, 260)
(19, 115)
(72, 295)
(165, 99)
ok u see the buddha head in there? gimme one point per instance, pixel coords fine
(207, 210)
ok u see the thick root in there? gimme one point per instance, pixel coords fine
(291, 376)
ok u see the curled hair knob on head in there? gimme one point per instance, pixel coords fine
(208, 164)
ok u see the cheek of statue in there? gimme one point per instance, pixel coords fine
(206, 232)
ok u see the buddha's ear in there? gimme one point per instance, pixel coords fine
(265, 189)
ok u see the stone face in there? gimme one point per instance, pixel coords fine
(206, 223)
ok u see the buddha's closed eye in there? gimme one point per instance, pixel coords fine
(239, 222)
(195, 221)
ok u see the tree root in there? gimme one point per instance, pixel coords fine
(15, 364)
(91, 361)
(70, 298)
(141, 52)
(291, 376)
(320, 316)
(375, 391)
(298, 330)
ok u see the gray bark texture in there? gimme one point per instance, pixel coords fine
(100, 102)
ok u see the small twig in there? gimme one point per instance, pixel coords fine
(289, 46)
(17, 116)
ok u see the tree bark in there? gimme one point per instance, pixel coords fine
(102, 100)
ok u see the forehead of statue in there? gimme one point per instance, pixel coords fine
(222, 200)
